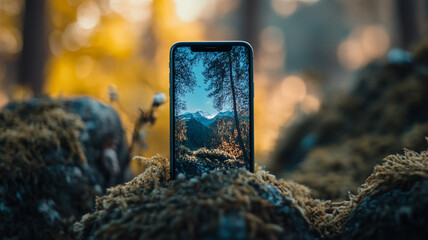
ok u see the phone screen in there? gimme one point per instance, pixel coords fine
(211, 107)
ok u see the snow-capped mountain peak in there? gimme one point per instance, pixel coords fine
(204, 117)
(205, 114)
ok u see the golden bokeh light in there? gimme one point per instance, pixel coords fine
(275, 104)
(55, 44)
(11, 7)
(269, 61)
(95, 44)
(99, 44)
(189, 11)
(309, 1)
(293, 89)
(272, 52)
(310, 104)
(374, 40)
(351, 55)
(88, 15)
(272, 39)
(4, 99)
(84, 66)
(135, 11)
(74, 36)
(284, 7)
(10, 40)
(363, 45)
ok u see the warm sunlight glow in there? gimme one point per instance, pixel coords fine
(74, 36)
(10, 40)
(125, 43)
(284, 7)
(375, 41)
(84, 66)
(293, 88)
(272, 39)
(188, 10)
(11, 7)
(136, 11)
(3, 99)
(363, 45)
(309, 1)
(310, 104)
(279, 110)
(55, 44)
(351, 55)
(272, 54)
(88, 15)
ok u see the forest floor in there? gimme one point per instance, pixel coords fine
(195, 163)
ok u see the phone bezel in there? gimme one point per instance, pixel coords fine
(209, 46)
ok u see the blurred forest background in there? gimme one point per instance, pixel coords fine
(304, 50)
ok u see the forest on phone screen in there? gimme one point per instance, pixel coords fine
(211, 110)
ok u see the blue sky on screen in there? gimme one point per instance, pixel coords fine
(198, 100)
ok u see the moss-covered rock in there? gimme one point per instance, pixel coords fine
(233, 205)
(48, 172)
(243, 205)
(387, 107)
(393, 202)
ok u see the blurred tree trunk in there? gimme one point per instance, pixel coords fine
(412, 21)
(33, 56)
(250, 23)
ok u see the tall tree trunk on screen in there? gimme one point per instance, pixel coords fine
(235, 111)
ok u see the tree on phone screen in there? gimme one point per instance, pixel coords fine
(228, 83)
(184, 77)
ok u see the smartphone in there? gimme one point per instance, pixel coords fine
(211, 104)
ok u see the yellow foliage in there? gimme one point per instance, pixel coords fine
(231, 146)
(118, 51)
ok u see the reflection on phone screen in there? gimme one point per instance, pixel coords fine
(211, 110)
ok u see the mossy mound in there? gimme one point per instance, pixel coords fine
(45, 181)
(234, 205)
(333, 171)
(391, 202)
(49, 177)
(243, 205)
(386, 107)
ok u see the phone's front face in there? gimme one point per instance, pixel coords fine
(211, 107)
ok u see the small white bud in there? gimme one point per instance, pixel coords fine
(159, 99)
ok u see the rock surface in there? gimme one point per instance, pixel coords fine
(103, 139)
(48, 171)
